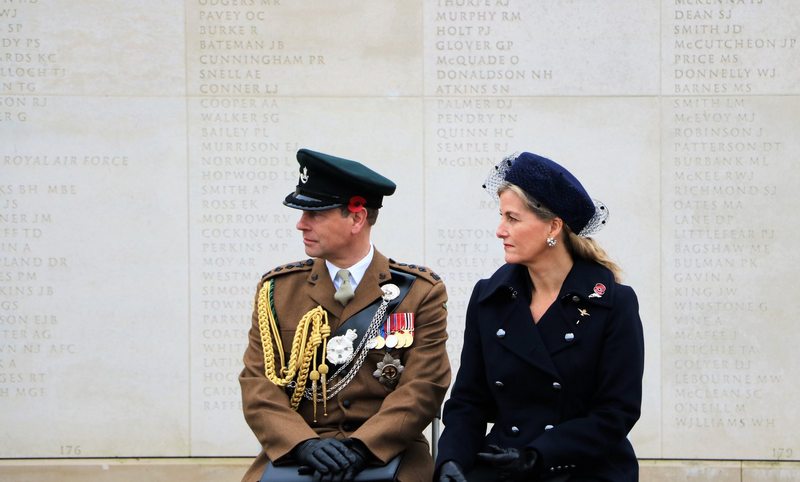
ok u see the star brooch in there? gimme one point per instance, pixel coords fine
(388, 371)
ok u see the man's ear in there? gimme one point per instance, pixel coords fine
(359, 220)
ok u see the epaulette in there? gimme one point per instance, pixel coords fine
(288, 268)
(416, 270)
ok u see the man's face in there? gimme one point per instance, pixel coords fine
(326, 234)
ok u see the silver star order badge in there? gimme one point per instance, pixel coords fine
(389, 370)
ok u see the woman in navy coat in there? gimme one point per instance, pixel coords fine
(553, 349)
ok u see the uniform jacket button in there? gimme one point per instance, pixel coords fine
(498, 384)
(556, 386)
(501, 333)
(514, 430)
(569, 337)
(548, 427)
(346, 403)
(576, 298)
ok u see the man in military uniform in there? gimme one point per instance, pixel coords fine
(346, 362)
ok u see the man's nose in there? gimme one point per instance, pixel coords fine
(302, 225)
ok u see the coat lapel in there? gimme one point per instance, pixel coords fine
(368, 289)
(322, 290)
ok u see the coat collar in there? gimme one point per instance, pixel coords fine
(589, 281)
(368, 289)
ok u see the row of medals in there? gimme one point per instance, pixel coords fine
(398, 339)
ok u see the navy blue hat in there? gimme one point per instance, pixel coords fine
(328, 181)
(555, 188)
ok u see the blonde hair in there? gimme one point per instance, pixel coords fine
(577, 246)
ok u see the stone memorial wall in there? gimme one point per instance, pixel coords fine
(146, 146)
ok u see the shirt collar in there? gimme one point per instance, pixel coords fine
(356, 271)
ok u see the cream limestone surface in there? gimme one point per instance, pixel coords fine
(145, 149)
(94, 332)
(349, 49)
(95, 47)
(541, 48)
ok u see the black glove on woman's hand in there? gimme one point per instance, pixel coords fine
(325, 456)
(513, 463)
(451, 472)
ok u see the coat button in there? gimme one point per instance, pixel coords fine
(556, 386)
(548, 427)
(576, 298)
(498, 384)
(346, 403)
(501, 333)
(569, 337)
(514, 430)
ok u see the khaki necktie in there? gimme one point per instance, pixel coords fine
(345, 291)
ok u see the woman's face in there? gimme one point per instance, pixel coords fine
(524, 235)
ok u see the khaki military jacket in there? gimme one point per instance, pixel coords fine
(387, 420)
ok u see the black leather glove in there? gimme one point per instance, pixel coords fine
(361, 454)
(514, 464)
(328, 457)
(451, 472)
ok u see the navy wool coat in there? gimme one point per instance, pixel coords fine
(569, 387)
